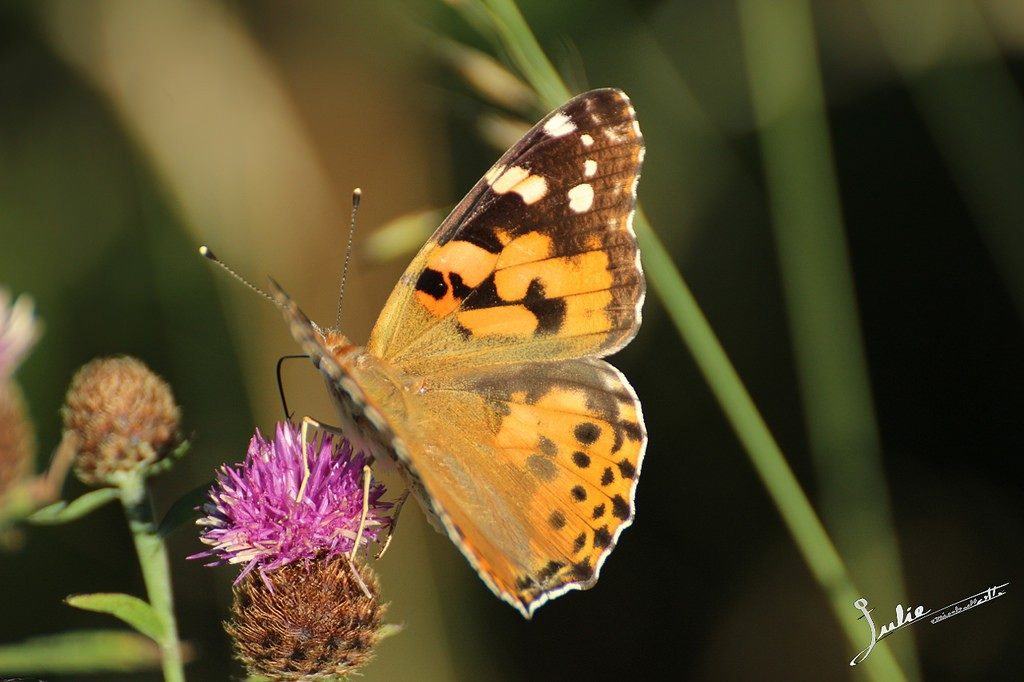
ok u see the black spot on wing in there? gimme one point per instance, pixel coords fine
(602, 538)
(484, 296)
(587, 432)
(431, 282)
(633, 430)
(581, 459)
(627, 469)
(459, 289)
(557, 520)
(620, 508)
(545, 574)
(581, 570)
(579, 493)
(607, 476)
(599, 510)
(550, 312)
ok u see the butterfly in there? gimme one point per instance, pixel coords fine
(483, 376)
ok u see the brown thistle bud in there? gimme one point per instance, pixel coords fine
(17, 438)
(313, 621)
(123, 415)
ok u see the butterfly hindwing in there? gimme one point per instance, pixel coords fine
(539, 260)
(538, 473)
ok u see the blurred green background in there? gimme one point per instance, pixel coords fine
(864, 271)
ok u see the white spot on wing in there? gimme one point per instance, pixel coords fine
(589, 168)
(559, 125)
(581, 197)
(587, 140)
(509, 179)
(531, 188)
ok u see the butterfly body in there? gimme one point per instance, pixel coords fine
(483, 377)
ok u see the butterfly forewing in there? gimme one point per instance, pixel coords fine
(539, 259)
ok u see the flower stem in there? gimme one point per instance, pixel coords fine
(156, 572)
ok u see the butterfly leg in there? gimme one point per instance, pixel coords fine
(367, 475)
(359, 579)
(394, 522)
(307, 424)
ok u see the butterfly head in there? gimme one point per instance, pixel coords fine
(336, 342)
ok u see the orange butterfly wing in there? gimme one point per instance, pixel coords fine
(539, 260)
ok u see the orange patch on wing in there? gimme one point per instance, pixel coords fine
(559, 276)
(438, 307)
(511, 320)
(587, 314)
(518, 429)
(471, 262)
(532, 246)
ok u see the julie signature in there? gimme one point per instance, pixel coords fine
(910, 615)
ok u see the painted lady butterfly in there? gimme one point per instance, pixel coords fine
(483, 379)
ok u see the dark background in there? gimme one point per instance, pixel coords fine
(131, 133)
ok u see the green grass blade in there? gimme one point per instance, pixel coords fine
(526, 53)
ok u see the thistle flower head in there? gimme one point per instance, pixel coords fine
(310, 620)
(124, 416)
(256, 516)
(18, 331)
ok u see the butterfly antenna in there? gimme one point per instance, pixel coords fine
(357, 195)
(205, 252)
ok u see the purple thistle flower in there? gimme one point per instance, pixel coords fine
(254, 518)
(18, 331)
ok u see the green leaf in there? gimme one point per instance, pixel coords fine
(184, 509)
(79, 652)
(132, 610)
(63, 512)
